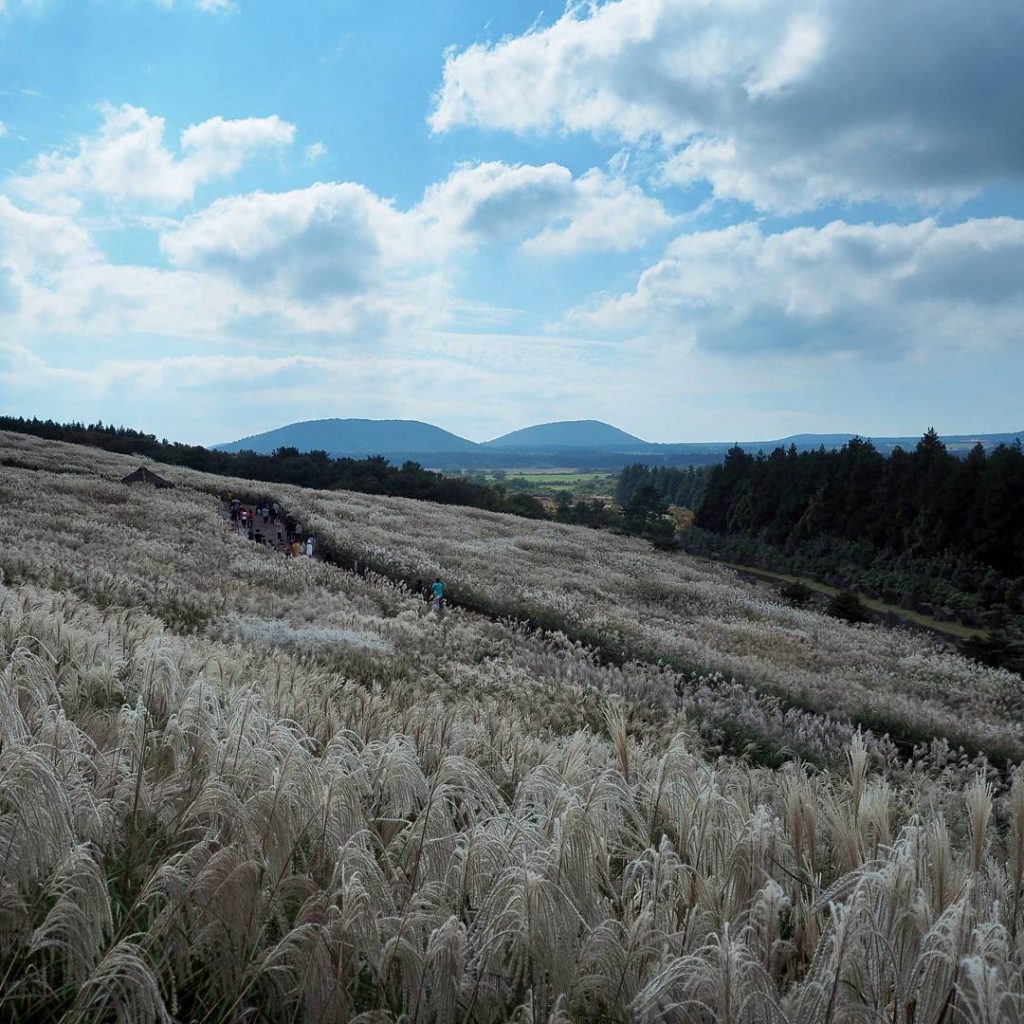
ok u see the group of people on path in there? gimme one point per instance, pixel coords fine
(264, 524)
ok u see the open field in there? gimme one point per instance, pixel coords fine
(235, 786)
(566, 477)
(546, 482)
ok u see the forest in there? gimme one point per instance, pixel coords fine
(923, 529)
(926, 502)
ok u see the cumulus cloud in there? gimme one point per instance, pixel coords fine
(494, 201)
(39, 244)
(312, 243)
(607, 214)
(781, 103)
(339, 238)
(544, 208)
(127, 159)
(884, 289)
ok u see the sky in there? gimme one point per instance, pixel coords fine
(695, 220)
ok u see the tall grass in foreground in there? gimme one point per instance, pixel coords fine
(186, 835)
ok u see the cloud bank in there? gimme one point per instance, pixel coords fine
(885, 290)
(784, 104)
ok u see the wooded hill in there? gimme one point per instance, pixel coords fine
(924, 502)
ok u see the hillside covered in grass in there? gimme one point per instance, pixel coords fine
(611, 783)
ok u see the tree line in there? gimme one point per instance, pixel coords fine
(923, 528)
(374, 475)
(925, 503)
(674, 486)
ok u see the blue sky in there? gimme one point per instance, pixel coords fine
(697, 222)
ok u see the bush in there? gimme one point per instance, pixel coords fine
(796, 593)
(998, 649)
(848, 606)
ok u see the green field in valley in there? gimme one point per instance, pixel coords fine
(541, 481)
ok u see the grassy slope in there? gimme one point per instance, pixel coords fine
(233, 784)
(632, 602)
(954, 629)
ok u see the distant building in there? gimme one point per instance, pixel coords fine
(146, 476)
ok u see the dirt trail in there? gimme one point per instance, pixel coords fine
(272, 530)
(275, 533)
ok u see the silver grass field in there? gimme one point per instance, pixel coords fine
(239, 787)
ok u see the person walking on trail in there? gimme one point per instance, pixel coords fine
(437, 590)
(310, 547)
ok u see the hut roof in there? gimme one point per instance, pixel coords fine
(146, 476)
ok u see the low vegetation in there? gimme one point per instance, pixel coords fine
(235, 786)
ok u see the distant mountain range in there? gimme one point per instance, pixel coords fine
(581, 443)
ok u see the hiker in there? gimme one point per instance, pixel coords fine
(310, 545)
(296, 549)
(437, 589)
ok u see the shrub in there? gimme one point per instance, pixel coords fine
(796, 593)
(847, 606)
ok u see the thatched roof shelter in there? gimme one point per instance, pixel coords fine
(146, 476)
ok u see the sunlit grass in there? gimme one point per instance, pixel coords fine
(235, 786)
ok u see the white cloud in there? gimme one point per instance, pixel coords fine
(127, 159)
(844, 288)
(313, 243)
(782, 103)
(339, 239)
(545, 208)
(4, 130)
(315, 152)
(38, 248)
(608, 214)
(493, 202)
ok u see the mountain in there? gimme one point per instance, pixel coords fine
(567, 434)
(354, 437)
(588, 444)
